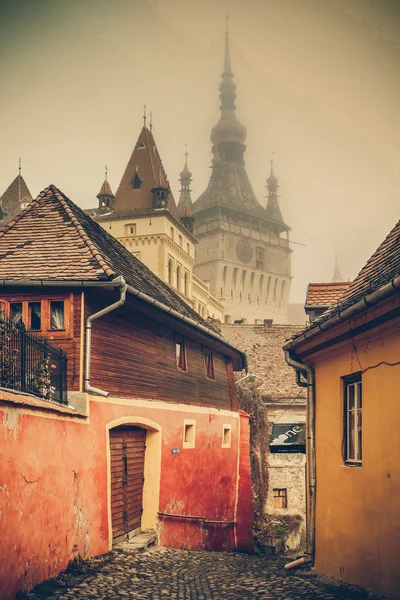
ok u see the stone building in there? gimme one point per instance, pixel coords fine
(243, 248)
(286, 411)
(144, 217)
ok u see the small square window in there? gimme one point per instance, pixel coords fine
(226, 436)
(280, 497)
(209, 364)
(189, 433)
(57, 315)
(180, 353)
(35, 316)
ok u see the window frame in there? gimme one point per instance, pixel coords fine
(283, 496)
(353, 381)
(45, 310)
(180, 341)
(207, 352)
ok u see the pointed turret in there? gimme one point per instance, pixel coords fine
(337, 276)
(143, 176)
(185, 180)
(16, 197)
(187, 218)
(105, 195)
(160, 191)
(273, 210)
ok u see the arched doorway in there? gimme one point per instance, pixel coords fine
(127, 456)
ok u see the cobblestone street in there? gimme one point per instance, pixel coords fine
(165, 574)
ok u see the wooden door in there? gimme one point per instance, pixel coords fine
(127, 446)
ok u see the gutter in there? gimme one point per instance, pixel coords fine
(305, 370)
(117, 282)
(347, 313)
(120, 282)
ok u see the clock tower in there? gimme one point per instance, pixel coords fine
(243, 248)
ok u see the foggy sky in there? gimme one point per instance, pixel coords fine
(318, 81)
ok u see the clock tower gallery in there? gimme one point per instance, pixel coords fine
(243, 248)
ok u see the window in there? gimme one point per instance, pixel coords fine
(136, 181)
(189, 433)
(353, 419)
(34, 316)
(170, 271)
(57, 315)
(186, 283)
(188, 249)
(178, 277)
(130, 229)
(180, 241)
(180, 353)
(39, 314)
(279, 497)
(260, 258)
(209, 364)
(226, 436)
(172, 233)
(16, 312)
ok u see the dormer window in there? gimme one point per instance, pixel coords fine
(136, 181)
(141, 145)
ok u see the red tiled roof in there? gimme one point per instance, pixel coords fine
(324, 295)
(105, 189)
(380, 269)
(146, 159)
(186, 212)
(53, 239)
(266, 359)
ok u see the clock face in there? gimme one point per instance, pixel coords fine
(244, 251)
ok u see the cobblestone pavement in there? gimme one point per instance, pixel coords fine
(162, 574)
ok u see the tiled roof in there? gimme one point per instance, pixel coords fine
(320, 295)
(146, 159)
(23, 400)
(186, 212)
(266, 359)
(380, 269)
(16, 193)
(105, 189)
(53, 239)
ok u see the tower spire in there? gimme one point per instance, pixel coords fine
(186, 180)
(337, 276)
(227, 57)
(144, 115)
(19, 179)
(151, 122)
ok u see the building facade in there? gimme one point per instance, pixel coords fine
(144, 217)
(348, 359)
(286, 411)
(150, 437)
(243, 248)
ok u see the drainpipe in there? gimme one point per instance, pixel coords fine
(120, 281)
(302, 368)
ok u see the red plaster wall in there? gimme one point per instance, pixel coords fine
(53, 487)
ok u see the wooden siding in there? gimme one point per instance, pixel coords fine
(134, 357)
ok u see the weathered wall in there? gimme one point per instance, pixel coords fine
(55, 485)
(357, 508)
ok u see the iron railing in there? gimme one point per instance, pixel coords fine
(29, 364)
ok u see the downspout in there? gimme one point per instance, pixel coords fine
(122, 290)
(302, 368)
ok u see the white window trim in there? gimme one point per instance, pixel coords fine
(225, 428)
(191, 444)
(357, 386)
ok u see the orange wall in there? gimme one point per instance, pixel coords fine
(53, 485)
(358, 509)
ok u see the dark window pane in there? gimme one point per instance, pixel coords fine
(35, 318)
(16, 312)
(57, 315)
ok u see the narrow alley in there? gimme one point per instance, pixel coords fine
(160, 573)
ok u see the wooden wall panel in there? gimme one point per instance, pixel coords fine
(134, 357)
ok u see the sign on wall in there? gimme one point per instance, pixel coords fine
(288, 437)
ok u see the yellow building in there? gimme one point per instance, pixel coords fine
(144, 217)
(349, 359)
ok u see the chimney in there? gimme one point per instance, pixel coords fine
(268, 323)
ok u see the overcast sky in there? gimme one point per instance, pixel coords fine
(318, 81)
